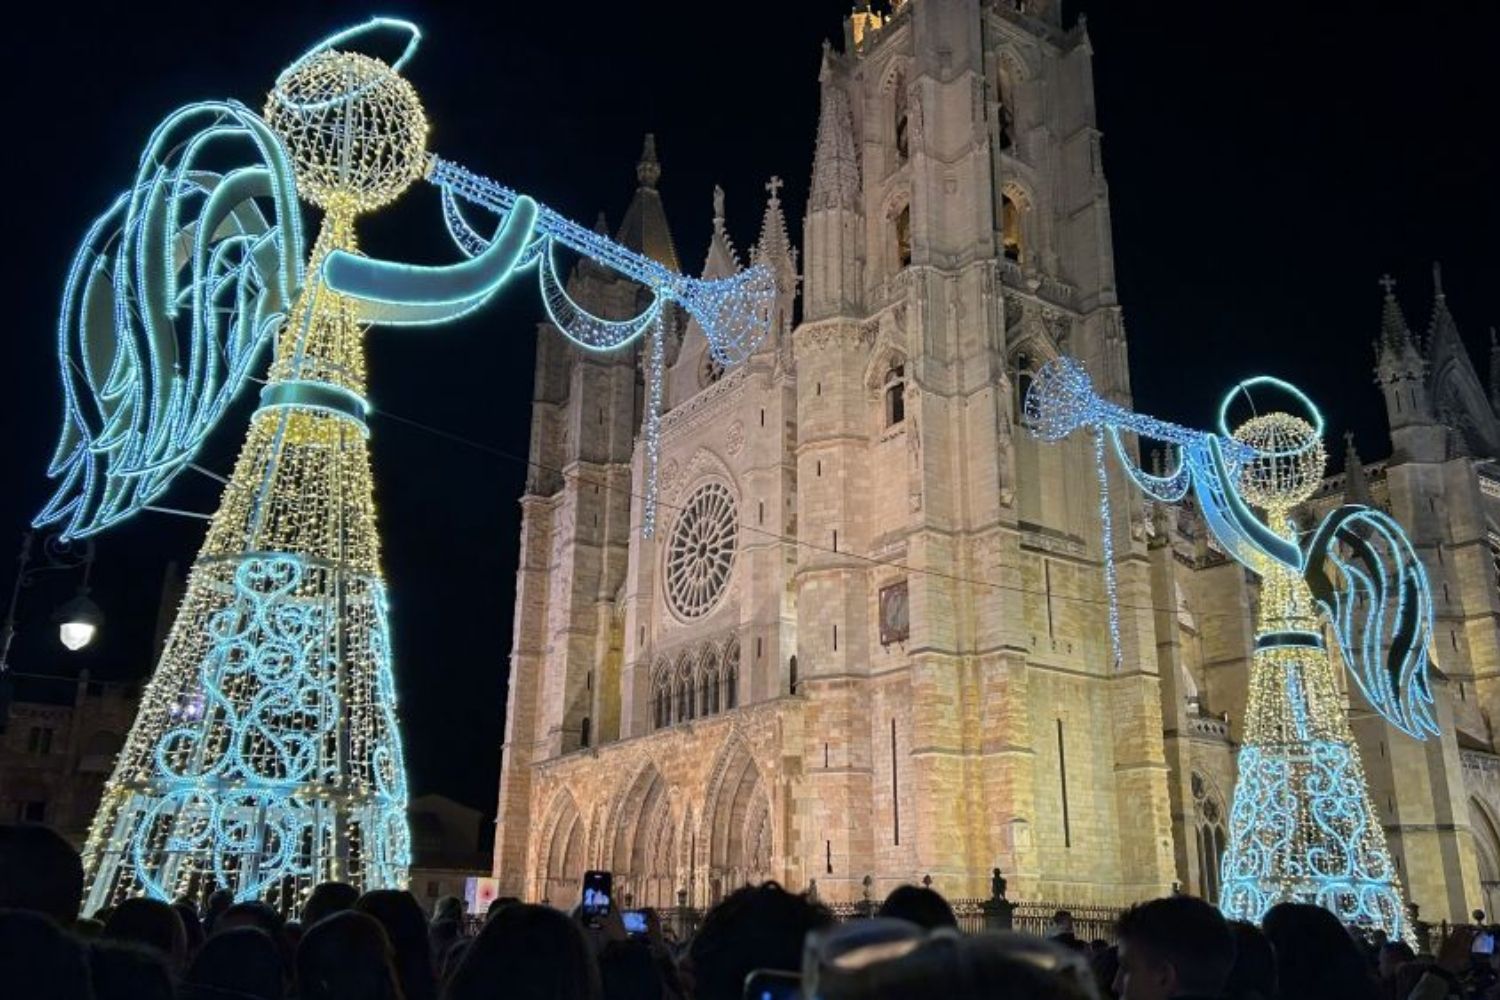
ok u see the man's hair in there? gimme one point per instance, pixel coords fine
(756, 927)
(40, 872)
(923, 907)
(1187, 932)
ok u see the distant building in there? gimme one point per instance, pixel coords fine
(446, 846)
(56, 752)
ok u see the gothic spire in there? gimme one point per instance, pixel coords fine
(722, 260)
(835, 176)
(774, 247)
(645, 227)
(1396, 350)
(1442, 332)
(1356, 485)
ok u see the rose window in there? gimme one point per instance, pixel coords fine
(700, 554)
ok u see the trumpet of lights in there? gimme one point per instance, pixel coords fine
(1302, 827)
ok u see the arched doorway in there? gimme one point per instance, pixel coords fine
(561, 865)
(737, 823)
(643, 847)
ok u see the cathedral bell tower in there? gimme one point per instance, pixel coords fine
(963, 705)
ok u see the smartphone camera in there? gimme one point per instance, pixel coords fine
(598, 893)
(635, 922)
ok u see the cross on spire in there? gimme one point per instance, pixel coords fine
(774, 185)
(1388, 283)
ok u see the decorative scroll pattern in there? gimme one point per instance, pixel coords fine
(1282, 793)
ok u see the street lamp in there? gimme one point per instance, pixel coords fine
(79, 619)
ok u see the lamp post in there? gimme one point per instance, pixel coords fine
(79, 619)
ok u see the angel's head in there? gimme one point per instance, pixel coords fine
(354, 127)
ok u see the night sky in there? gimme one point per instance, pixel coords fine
(1266, 164)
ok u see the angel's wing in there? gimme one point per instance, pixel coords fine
(170, 298)
(1376, 594)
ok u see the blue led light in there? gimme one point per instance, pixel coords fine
(184, 251)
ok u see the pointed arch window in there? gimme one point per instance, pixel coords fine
(1022, 372)
(1010, 228)
(732, 675)
(895, 392)
(900, 119)
(1005, 98)
(708, 681)
(1208, 812)
(902, 224)
(583, 732)
(663, 700)
(1495, 557)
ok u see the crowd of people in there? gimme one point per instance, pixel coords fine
(758, 943)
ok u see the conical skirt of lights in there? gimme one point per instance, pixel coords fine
(266, 756)
(1303, 827)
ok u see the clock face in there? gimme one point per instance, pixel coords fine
(895, 617)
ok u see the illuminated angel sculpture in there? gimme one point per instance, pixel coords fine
(1302, 827)
(266, 756)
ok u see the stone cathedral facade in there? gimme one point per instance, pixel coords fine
(869, 640)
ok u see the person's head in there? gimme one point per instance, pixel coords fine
(242, 960)
(126, 970)
(1174, 946)
(448, 908)
(628, 971)
(499, 903)
(1253, 976)
(191, 925)
(346, 956)
(533, 952)
(405, 925)
(887, 959)
(921, 906)
(152, 923)
(328, 898)
(1478, 916)
(251, 913)
(756, 927)
(1316, 959)
(39, 871)
(1062, 922)
(1393, 955)
(39, 959)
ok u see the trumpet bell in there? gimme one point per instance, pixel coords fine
(1061, 399)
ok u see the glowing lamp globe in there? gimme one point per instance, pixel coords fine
(355, 129)
(77, 622)
(1288, 464)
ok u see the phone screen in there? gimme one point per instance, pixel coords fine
(635, 921)
(598, 887)
(771, 984)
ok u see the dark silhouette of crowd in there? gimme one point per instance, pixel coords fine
(758, 943)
